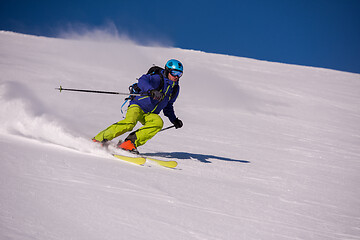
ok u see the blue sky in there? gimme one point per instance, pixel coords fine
(320, 33)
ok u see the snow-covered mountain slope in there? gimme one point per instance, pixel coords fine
(267, 151)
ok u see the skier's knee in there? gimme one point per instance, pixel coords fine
(159, 123)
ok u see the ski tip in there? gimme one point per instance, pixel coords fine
(168, 164)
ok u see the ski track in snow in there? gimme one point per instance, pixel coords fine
(267, 151)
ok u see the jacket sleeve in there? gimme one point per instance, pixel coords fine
(169, 112)
(169, 109)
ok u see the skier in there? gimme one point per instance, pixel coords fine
(145, 109)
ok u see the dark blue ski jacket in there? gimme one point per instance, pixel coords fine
(171, 90)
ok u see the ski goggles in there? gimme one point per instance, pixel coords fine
(176, 73)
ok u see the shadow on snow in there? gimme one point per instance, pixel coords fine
(200, 157)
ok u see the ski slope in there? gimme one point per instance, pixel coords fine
(267, 151)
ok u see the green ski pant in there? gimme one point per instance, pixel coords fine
(151, 121)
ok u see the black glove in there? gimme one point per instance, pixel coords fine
(155, 94)
(177, 123)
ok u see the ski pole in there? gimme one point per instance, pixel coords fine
(95, 91)
(167, 128)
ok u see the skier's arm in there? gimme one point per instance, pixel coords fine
(169, 109)
(169, 112)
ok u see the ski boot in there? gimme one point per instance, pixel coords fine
(128, 145)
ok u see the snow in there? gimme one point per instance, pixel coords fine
(267, 151)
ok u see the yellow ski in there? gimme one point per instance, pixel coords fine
(141, 160)
(169, 164)
(135, 160)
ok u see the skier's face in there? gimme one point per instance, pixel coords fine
(173, 78)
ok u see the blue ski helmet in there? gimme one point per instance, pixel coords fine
(174, 64)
